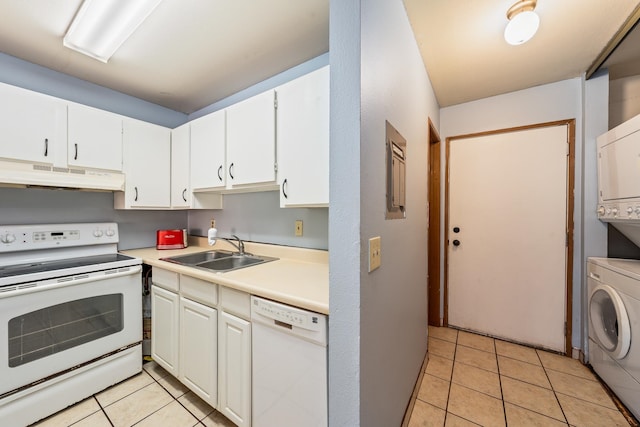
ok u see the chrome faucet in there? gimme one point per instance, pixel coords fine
(239, 246)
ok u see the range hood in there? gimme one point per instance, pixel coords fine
(38, 175)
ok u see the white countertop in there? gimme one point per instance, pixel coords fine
(300, 277)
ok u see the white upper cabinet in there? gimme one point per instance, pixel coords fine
(303, 140)
(251, 142)
(147, 165)
(94, 138)
(208, 137)
(32, 125)
(180, 188)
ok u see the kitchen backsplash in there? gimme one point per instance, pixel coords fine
(44, 206)
(257, 217)
(254, 217)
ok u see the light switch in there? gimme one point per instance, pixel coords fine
(375, 253)
(298, 228)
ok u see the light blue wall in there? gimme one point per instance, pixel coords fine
(270, 83)
(378, 320)
(257, 217)
(45, 206)
(34, 77)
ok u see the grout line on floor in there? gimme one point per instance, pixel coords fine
(102, 409)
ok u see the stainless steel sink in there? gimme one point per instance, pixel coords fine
(198, 257)
(219, 261)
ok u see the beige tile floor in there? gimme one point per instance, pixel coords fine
(470, 380)
(150, 399)
(475, 380)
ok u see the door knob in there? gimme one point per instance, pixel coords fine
(456, 243)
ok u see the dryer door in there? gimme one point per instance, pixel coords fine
(609, 321)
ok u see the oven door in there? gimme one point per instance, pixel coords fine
(54, 325)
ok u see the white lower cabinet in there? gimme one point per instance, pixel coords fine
(198, 349)
(234, 365)
(203, 340)
(164, 328)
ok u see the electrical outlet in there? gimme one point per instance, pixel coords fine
(298, 228)
(375, 253)
(213, 223)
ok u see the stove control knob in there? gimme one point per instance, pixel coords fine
(629, 210)
(608, 211)
(614, 211)
(637, 210)
(110, 232)
(601, 211)
(7, 238)
(97, 233)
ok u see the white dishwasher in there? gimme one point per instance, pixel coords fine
(289, 347)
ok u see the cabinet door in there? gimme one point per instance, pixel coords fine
(146, 163)
(95, 138)
(164, 329)
(234, 341)
(208, 168)
(303, 140)
(198, 349)
(180, 188)
(251, 151)
(30, 125)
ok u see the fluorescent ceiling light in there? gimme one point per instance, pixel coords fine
(101, 26)
(523, 22)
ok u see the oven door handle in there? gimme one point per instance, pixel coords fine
(78, 279)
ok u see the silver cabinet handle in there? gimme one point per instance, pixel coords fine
(284, 189)
(183, 194)
(75, 157)
(230, 171)
(135, 199)
(219, 171)
(46, 147)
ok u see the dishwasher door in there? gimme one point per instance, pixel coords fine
(289, 347)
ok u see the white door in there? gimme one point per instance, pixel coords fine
(199, 350)
(234, 367)
(164, 328)
(507, 235)
(208, 139)
(146, 160)
(94, 138)
(303, 140)
(180, 187)
(251, 140)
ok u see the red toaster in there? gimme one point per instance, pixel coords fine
(171, 239)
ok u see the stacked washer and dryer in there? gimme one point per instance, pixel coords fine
(614, 284)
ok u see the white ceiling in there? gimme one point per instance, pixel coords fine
(186, 55)
(191, 53)
(465, 54)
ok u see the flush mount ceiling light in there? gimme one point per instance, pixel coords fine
(101, 26)
(523, 22)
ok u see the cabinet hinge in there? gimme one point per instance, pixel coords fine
(275, 167)
(275, 102)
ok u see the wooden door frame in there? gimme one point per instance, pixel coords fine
(434, 245)
(571, 161)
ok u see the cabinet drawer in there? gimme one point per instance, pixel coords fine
(199, 290)
(166, 279)
(236, 302)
